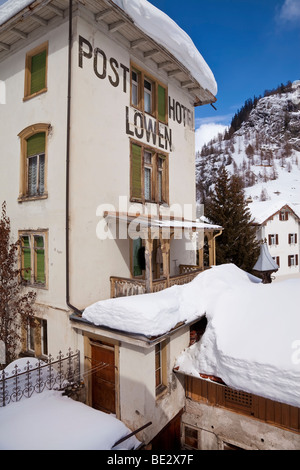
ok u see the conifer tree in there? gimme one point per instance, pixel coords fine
(227, 207)
(16, 306)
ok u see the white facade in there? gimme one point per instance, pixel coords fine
(281, 230)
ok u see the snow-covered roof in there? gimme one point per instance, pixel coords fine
(261, 211)
(166, 32)
(252, 338)
(265, 261)
(11, 8)
(59, 423)
(152, 22)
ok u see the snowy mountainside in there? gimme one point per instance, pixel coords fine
(264, 151)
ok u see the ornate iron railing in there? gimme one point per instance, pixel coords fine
(38, 375)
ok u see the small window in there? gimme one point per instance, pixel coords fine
(160, 368)
(149, 175)
(292, 237)
(148, 94)
(293, 260)
(283, 215)
(33, 163)
(37, 337)
(36, 71)
(33, 258)
(148, 89)
(273, 239)
(191, 437)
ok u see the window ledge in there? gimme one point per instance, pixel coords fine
(32, 198)
(161, 391)
(40, 92)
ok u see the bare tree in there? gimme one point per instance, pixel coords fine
(16, 304)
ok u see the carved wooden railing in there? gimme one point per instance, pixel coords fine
(123, 287)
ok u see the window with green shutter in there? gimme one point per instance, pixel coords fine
(36, 71)
(161, 106)
(33, 258)
(136, 172)
(36, 164)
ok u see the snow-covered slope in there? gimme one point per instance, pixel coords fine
(265, 151)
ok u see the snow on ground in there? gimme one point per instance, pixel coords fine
(57, 422)
(252, 330)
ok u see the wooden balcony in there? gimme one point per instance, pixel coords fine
(123, 287)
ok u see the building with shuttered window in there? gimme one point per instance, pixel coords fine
(98, 173)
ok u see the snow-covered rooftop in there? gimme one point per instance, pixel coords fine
(252, 339)
(262, 210)
(57, 422)
(166, 32)
(157, 25)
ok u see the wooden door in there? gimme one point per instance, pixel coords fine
(103, 378)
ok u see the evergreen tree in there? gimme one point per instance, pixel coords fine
(16, 306)
(227, 207)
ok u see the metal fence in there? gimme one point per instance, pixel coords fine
(26, 376)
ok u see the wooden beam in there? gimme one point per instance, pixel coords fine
(4, 46)
(186, 83)
(102, 14)
(162, 65)
(56, 10)
(39, 20)
(116, 25)
(134, 44)
(150, 53)
(174, 72)
(19, 33)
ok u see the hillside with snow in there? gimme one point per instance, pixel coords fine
(264, 150)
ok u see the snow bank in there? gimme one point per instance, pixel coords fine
(59, 423)
(166, 32)
(252, 339)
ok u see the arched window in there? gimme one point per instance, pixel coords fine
(33, 162)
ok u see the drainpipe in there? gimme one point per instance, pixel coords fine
(214, 239)
(68, 162)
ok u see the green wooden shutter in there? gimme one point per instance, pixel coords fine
(136, 171)
(26, 258)
(161, 103)
(38, 72)
(36, 144)
(40, 259)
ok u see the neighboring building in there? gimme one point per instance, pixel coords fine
(278, 224)
(97, 133)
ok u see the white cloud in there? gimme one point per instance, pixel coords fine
(290, 10)
(207, 132)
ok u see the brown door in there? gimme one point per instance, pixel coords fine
(103, 378)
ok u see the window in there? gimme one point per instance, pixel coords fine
(277, 260)
(149, 175)
(283, 215)
(37, 337)
(273, 239)
(191, 437)
(293, 260)
(33, 258)
(292, 238)
(138, 257)
(160, 367)
(36, 71)
(33, 183)
(148, 94)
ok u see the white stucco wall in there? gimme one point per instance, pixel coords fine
(138, 401)
(283, 249)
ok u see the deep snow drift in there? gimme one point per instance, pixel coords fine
(59, 423)
(252, 339)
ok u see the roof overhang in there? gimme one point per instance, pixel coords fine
(41, 14)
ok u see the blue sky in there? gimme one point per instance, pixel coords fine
(250, 45)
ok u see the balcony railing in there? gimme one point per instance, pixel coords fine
(123, 287)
